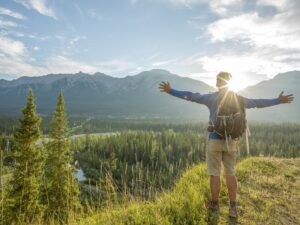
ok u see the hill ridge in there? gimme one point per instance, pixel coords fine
(269, 193)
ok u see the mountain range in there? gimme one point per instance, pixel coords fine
(138, 96)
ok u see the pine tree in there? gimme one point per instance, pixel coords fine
(23, 195)
(61, 194)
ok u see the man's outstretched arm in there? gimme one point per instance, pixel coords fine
(261, 103)
(186, 95)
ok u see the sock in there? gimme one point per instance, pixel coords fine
(232, 204)
(214, 202)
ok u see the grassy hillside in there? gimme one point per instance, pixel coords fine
(269, 193)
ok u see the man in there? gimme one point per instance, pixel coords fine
(218, 149)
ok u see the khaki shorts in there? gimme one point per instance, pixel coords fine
(217, 152)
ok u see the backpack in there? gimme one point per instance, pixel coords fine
(231, 116)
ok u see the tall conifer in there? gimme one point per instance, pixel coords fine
(23, 195)
(61, 193)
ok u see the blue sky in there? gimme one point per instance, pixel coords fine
(254, 40)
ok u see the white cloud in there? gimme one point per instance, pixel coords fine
(223, 7)
(187, 3)
(38, 37)
(279, 31)
(256, 44)
(8, 12)
(243, 63)
(5, 24)
(11, 48)
(14, 33)
(247, 40)
(79, 10)
(76, 39)
(133, 2)
(95, 15)
(14, 58)
(115, 66)
(61, 64)
(38, 5)
(164, 62)
(22, 66)
(18, 67)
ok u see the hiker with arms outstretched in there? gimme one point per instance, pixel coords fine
(227, 123)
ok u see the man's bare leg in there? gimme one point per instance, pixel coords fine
(232, 187)
(215, 186)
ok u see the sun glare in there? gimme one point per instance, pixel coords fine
(236, 85)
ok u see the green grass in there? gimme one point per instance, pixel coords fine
(269, 193)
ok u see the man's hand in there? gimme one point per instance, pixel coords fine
(165, 87)
(286, 98)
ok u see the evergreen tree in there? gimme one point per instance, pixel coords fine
(61, 194)
(23, 195)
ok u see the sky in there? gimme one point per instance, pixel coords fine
(253, 40)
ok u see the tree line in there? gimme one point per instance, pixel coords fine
(140, 163)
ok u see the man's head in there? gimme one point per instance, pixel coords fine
(222, 79)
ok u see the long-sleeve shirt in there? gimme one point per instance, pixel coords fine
(211, 101)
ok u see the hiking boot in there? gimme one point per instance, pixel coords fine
(213, 206)
(233, 210)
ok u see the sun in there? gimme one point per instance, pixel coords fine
(237, 85)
